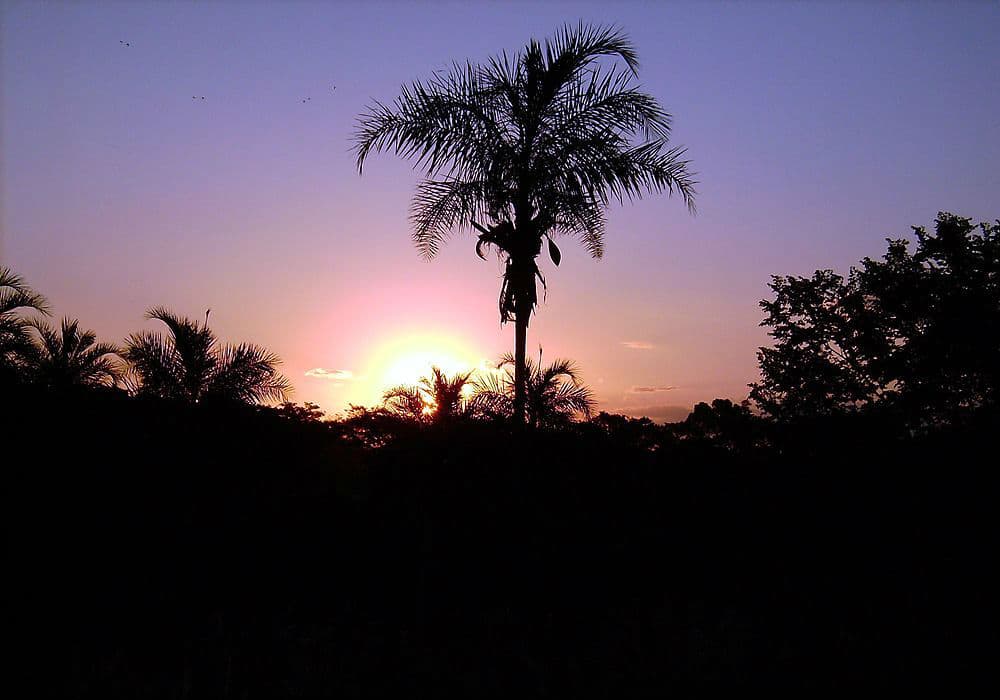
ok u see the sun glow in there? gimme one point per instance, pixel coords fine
(405, 360)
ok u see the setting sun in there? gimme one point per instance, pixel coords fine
(406, 359)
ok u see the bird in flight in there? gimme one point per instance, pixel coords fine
(308, 99)
(194, 97)
(124, 43)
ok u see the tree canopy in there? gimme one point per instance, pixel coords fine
(916, 333)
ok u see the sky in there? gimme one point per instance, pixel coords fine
(817, 130)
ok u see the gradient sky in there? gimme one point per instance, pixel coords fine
(817, 130)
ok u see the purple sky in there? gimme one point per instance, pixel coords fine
(817, 130)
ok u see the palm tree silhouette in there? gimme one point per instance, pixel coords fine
(533, 146)
(191, 365)
(406, 401)
(555, 394)
(437, 398)
(15, 336)
(67, 357)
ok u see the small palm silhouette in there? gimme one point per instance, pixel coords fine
(438, 398)
(190, 364)
(67, 357)
(555, 394)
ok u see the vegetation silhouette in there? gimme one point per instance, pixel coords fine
(162, 544)
(555, 394)
(437, 398)
(68, 357)
(16, 297)
(525, 148)
(914, 337)
(189, 364)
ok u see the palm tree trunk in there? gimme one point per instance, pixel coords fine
(522, 314)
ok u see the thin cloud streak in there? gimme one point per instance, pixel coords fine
(333, 375)
(650, 389)
(638, 345)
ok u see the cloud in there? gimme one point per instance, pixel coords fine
(638, 345)
(659, 414)
(650, 389)
(333, 375)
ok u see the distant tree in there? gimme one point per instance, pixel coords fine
(533, 145)
(555, 394)
(917, 333)
(723, 423)
(308, 412)
(438, 398)
(373, 427)
(67, 357)
(16, 297)
(642, 433)
(189, 364)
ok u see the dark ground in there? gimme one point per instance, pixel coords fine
(164, 551)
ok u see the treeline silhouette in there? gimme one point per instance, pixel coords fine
(838, 530)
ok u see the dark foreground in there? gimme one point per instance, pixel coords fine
(161, 551)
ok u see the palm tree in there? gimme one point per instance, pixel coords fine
(191, 365)
(438, 397)
(534, 145)
(67, 356)
(555, 394)
(15, 335)
(406, 401)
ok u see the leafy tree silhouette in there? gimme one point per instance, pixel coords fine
(915, 334)
(308, 412)
(68, 357)
(525, 148)
(555, 394)
(724, 423)
(191, 365)
(16, 344)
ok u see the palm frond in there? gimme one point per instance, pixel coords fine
(441, 206)
(559, 369)
(573, 49)
(246, 373)
(195, 346)
(405, 401)
(157, 367)
(447, 124)
(492, 396)
(16, 294)
(66, 356)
